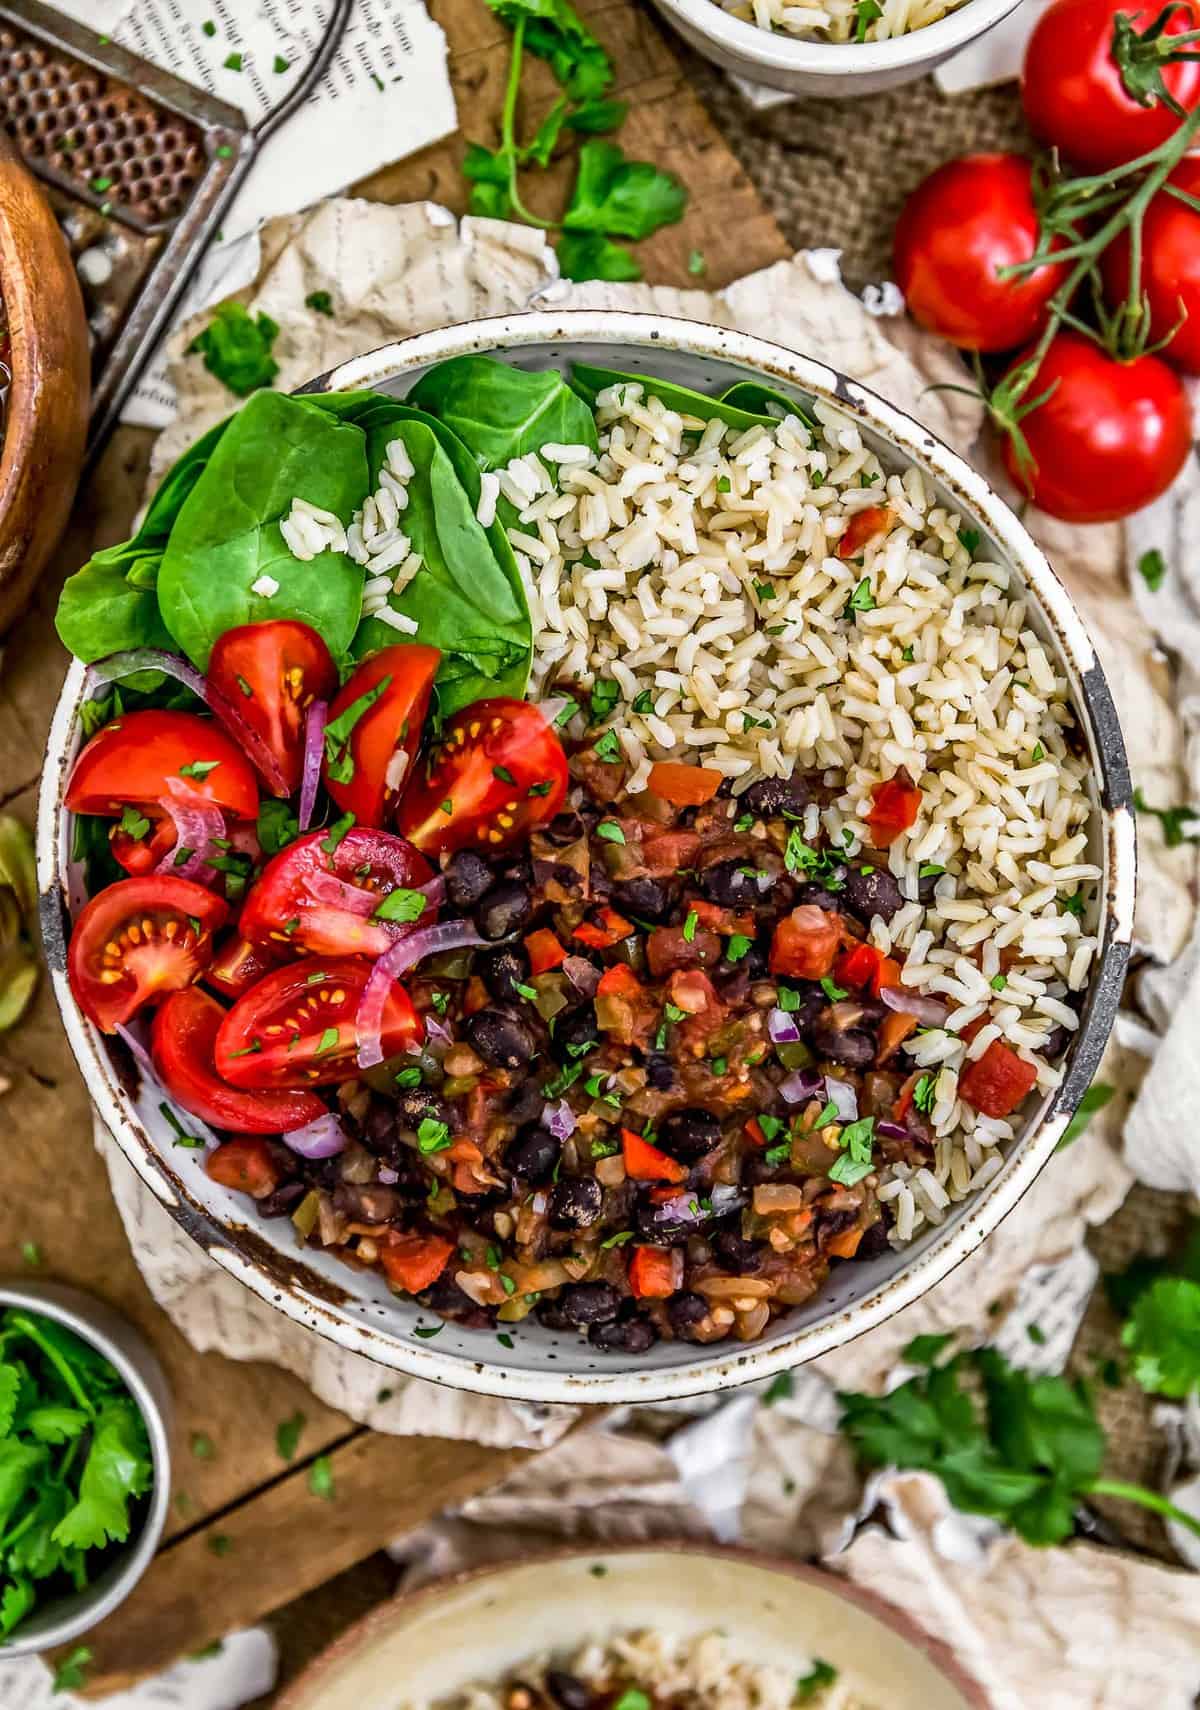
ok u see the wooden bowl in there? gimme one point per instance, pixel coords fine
(46, 427)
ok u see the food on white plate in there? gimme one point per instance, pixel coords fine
(841, 20)
(591, 851)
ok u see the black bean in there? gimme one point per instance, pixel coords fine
(770, 797)
(687, 1309)
(533, 1154)
(575, 1030)
(588, 1302)
(283, 1201)
(500, 1038)
(834, 1222)
(736, 884)
(735, 1254)
(671, 1224)
(414, 1104)
(366, 1203)
(689, 1134)
(563, 829)
(812, 1002)
(468, 876)
(874, 1242)
(635, 1335)
(873, 893)
(753, 965)
(567, 1690)
(503, 970)
(503, 909)
(926, 885)
(1056, 1042)
(848, 1045)
(525, 1101)
(647, 898)
(575, 1203)
(449, 1301)
(817, 896)
(660, 1072)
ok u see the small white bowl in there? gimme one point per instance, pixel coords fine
(828, 68)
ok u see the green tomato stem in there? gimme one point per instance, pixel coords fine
(1145, 1498)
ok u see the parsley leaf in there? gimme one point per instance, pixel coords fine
(1152, 568)
(1163, 1336)
(820, 1676)
(554, 32)
(1173, 820)
(401, 905)
(1094, 1099)
(591, 255)
(620, 197)
(277, 825)
(287, 1436)
(320, 302)
(236, 347)
(339, 765)
(320, 1478)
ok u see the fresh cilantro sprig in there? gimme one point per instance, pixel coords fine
(1159, 1298)
(236, 347)
(1024, 1449)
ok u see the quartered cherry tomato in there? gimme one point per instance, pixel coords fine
(322, 896)
(497, 771)
(374, 730)
(136, 941)
(155, 838)
(272, 672)
(181, 1044)
(1170, 271)
(237, 964)
(296, 1027)
(135, 759)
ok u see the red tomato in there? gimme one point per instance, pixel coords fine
(137, 940)
(374, 730)
(544, 951)
(310, 901)
(959, 227)
(1111, 437)
(272, 672)
(132, 760)
(862, 529)
(1170, 273)
(895, 804)
(656, 1272)
(671, 947)
(497, 771)
(142, 854)
(606, 929)
(996, 1083)
(1074, 95)
(684, 786)
(646, 1163)
(247, 1166)
(858, 966)
(296, 1027)
(413, 1262)
(181, 1043)
(806, 942)
(236, 965)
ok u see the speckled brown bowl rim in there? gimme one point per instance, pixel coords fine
(360, 1636)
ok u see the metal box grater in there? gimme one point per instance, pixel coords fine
(139, 168)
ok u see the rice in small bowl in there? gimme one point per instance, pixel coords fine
(937, 642)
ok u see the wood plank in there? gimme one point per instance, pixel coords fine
(244, 1563)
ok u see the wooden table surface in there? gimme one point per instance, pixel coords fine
(245, 1534)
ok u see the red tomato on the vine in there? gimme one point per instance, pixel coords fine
(1170, 271)
(1110, 438)
(1073, 90)
(959, 228)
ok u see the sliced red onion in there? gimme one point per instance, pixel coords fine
(197, 823)
(138, 1051)
(805, 1083)
(583, 975)
(314, 747)
(726, 1198)
(404, 954)
(434, 891)
(928, 1011)
(782, 1028)
(843, 1098)
(891, 1130)
(386, 1176)
(438, 1031)
(136, 659)
(324, 1138)
(559, 1119)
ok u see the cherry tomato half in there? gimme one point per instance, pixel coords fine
(272, 672)
(237, 965)
(1074, 95)
(374, 730)
(142, 854)
(1110, 438)
(1170, 272)
(181, 1044)
(958, 229)
(311, 900)
(296, 1027)
(134, 759)
(497, 771)
(137, 940)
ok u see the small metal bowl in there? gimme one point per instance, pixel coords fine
(98, 1325)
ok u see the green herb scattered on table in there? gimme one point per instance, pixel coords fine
(1152, 567)
(71, 1673)
(320, 1478)
(74, 1459)
(236, 347)
(1174, 820)
(287, 1436)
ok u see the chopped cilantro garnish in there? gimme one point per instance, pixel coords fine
(690, 924)
(432, 1135)
(610, 831)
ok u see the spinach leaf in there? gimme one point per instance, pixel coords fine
(588, 381)
(500, 412)
(555, 32)
(227, 533)
(630, 198)
(751, 396)
(588, 255)
(465, 599)
(110, 605)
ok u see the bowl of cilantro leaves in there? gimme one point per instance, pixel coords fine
(84, 1463)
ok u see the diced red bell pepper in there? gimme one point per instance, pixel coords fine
(722, 920)
(544, 951)
(656, 1272)
(625, 1010)
(247, 1164)
(646, 1163)
(753, 1132)
(691, 990)
(806, 942)
(887, 974)
(608, 928)
(619, 981)
(414, 1261)
(863, 527)
(996, 1083)
(856, 967)
(894, 1029)
(895, 805)
(683, 786)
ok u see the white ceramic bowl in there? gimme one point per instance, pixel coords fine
(838, 69)
(480, 1626)
(355, 1308)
